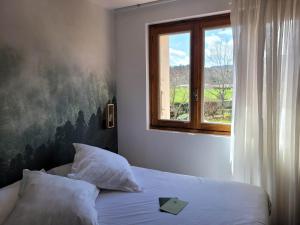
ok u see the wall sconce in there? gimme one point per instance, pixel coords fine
(110, 116)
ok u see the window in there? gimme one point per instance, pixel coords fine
(174, 76)
(191, 80)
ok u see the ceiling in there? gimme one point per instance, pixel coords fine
(114, 4)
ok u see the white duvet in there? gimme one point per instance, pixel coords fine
(210, 202)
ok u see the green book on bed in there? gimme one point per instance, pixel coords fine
(171, 205)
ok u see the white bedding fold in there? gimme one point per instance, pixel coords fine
(210, 202)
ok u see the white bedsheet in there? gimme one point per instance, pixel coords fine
(210, 202)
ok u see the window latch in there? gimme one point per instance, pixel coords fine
(195, 95)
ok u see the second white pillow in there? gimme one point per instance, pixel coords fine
(102, 168)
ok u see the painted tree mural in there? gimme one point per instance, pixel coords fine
(40, 123)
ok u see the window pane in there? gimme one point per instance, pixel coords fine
(174, 76)
(218, 77)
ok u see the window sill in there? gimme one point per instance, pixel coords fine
(188, 130)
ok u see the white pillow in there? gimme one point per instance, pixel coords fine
(103, 168)
(49, 200)
(8, 199)
(63, 170)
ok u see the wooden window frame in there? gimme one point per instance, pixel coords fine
(196, 28)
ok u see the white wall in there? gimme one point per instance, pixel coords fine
(195, 154)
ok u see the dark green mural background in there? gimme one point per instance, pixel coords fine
(56, 78)
(43, 112)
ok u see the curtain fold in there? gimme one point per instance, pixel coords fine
(266, 126)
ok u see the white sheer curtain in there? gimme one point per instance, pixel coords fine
(266, 127)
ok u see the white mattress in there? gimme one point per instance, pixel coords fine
(210, 202)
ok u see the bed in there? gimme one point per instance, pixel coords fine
(210, 202)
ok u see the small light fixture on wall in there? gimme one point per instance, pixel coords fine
(110, 116)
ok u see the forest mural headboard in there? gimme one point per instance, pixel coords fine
(55, 81)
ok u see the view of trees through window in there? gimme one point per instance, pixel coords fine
(217, 80)
(180, 92)
(175, 76)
